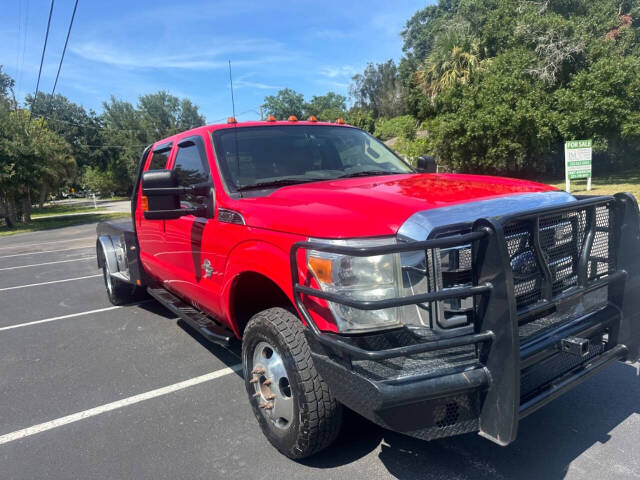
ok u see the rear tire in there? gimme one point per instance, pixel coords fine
(118, 292)
(299, 415)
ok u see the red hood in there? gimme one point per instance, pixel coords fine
(370, 206)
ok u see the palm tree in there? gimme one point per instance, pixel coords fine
(452, 61)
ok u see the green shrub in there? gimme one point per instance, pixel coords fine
(404, 127)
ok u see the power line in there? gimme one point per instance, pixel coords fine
(44, 49)
(64, 50)
(19, 36)
(24, 44)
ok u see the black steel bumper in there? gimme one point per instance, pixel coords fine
(488, 376)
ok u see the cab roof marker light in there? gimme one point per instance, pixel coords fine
(312, 118)
(293, 118)
(340, 121)
(231, 120)
(270, 118)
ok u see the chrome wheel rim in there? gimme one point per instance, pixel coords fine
(107, 279)
(271, 385)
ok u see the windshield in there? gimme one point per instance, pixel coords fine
(268, 157)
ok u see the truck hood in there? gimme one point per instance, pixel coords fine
(371, 206)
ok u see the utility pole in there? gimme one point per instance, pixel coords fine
(261, 112)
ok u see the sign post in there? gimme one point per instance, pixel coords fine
(577, 162)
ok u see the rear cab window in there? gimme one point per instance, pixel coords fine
(160, 157)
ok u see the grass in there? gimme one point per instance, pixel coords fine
(628, 181)
(60, 222)
(62, 210)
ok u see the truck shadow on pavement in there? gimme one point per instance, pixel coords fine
(230, 356)
(548, 441)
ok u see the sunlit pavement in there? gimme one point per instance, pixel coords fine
(92, 391)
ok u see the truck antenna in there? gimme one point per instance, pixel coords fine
(233, 103)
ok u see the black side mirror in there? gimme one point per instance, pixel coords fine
(427, 164)
(163, 195)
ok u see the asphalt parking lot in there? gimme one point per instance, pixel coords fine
(88, 390)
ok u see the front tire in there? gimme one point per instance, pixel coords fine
(294, 407)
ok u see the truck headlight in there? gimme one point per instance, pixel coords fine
(360, 278)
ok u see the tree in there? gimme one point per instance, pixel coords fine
(189, 117)
(6, 89)
(284, 103)
(80, 129)
(603, 103)
(501, 84)
(127, 130)
(452, 60)
(379, 90)
(126, 133)
(327, 107)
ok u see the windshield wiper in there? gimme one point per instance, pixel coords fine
(368, 173)
(282, 182)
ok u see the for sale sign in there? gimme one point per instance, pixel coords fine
(577, 161)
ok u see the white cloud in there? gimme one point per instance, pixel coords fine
(338, 72)
(258, 85)
(205, 58)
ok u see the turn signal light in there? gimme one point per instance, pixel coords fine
(293, 118)
(145, 203)
(231, 120)
(312, 118)
(340, 121)
(271, 118)
(321, 267)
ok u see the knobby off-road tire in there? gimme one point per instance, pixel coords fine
(273, 339)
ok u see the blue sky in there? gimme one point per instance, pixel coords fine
(129, 48)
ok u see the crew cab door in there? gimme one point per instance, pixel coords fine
(151, 232)
(184, 236)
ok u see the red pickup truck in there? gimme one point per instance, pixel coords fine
(432, 304)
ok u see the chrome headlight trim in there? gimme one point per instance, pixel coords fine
(364, 278)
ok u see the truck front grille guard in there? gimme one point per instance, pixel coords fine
(347, 350)
(497, 313)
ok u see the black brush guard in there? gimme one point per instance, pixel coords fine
(395, 402)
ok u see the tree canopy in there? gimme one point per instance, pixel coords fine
(285, 103)
(501, 84)
(52, 143)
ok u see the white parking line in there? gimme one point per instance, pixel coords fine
(47, 251)
(48, 283)
(46, 243)
(71, 315)
(48, 263)
(59, 422)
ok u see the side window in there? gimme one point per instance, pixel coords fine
(159, 159)
(192, 168)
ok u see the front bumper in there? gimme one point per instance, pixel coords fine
(495, 372)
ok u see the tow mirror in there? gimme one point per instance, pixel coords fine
(162, 191)
(427, 164)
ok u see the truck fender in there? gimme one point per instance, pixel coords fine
(113, 254)
(105, 244)
(260, 257)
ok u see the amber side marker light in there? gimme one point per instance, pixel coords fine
(321, 267)
(312, 118)
(340, 121)
(271, 118)
(293, 118)
(231, 120)
(145, 204)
